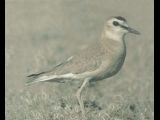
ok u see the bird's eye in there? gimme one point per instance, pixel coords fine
(115, 23)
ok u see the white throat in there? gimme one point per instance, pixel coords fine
(114, 36)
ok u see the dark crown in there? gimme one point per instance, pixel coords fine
(121, 18)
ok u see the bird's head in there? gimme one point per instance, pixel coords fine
(117, 26)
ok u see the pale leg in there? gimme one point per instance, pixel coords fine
(78, 94)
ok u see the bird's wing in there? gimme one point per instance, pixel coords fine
(88, 60)
(54, 68)
(36, 76)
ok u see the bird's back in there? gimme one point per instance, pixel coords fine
(87, 60)
(91, 59)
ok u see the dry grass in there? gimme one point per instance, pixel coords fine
(44, 106)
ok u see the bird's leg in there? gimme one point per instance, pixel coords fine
(78, 94)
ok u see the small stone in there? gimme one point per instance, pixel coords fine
(132, 107)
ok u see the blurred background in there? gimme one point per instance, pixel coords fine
(41, 33)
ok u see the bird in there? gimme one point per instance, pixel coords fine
(99, 61)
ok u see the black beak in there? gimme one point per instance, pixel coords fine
(131, 30)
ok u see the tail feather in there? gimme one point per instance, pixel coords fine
(34, 78)
(35, 75)
(42, 76)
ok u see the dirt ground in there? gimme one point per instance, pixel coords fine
(41, 33)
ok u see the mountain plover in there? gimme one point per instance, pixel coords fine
(97, 62)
